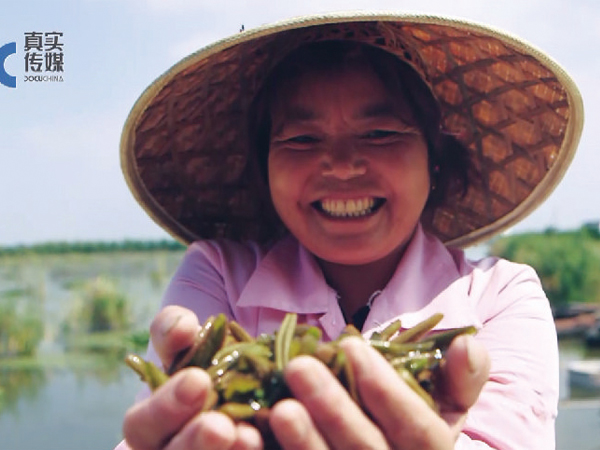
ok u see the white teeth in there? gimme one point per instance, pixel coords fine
(348, 208)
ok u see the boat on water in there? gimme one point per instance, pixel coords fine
(585, 374)
(592, 336)
(576, 320)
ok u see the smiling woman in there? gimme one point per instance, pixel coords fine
(336, 156)
(374, 146)
(355, 150)
(406, 98)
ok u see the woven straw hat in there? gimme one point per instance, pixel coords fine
(184, 151)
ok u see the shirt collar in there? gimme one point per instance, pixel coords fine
(420, 285)
(287, 279)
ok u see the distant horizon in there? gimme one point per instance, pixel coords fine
(166, 238)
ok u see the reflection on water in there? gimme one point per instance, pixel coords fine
(72, 411)
(18, 384)
(104, 367)
(73, 402)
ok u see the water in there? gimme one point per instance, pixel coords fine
(66, 400)
(78, 401)
(578, 425)
(578, 422)
(69, 412)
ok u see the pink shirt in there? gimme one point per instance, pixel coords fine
(518, 405)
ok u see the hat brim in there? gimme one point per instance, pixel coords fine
(184, 150)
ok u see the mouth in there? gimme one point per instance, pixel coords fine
(350, 208)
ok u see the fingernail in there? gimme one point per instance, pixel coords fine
(169, 324)
(304, 376)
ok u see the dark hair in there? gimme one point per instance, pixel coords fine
(449, 163)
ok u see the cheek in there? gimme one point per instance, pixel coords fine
(282, 182)
(288, 173)
(411, 171)
(420, 169)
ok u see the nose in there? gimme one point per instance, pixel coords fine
(343, 161)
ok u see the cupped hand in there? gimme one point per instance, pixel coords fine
(171, 418)
(323, 416)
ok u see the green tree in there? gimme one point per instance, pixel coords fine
(568, 263)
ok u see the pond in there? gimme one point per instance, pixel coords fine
(72, 400)
(66, 410)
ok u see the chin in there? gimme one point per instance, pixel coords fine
(345, 256)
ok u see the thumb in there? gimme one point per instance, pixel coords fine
(173, 331)
(466, 370)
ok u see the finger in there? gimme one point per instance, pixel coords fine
(404, 418)
(293, 427)
(150, 423)
(207, 431)
(247, 438)
(337, 417)
(173, 329)
(465, 372)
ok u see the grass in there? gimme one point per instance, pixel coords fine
(20, 331)
(107, 341)
(81, 351)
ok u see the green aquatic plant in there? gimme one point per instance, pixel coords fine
(139, 339)
(20, 332)
(98, 306)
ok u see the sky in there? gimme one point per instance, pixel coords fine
(60, 177)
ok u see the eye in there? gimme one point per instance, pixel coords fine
(380, 134)
(296, 142)
(302, 139)
(389, 134)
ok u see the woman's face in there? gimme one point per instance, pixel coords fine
(348, 174)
